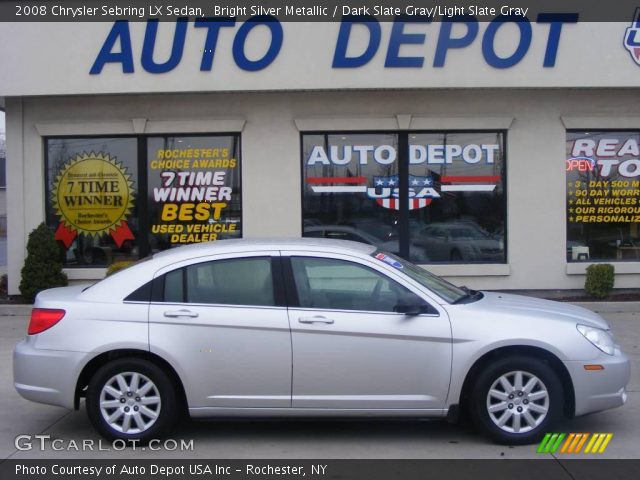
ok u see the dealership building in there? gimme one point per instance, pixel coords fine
(500, 155)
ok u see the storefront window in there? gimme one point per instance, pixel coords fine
(603, 192)
(193, 190)
(460, 217)
(454, 182)
(92, 186)
(338, 203)
(100, 215)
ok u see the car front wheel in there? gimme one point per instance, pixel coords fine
(515, 400)
(131, 399)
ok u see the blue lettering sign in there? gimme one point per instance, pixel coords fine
(399, 38)
(340, 59)
(213, 26)
(446, 42)
(119, 32)
(277, 36)
(457, 32)
(148, 63)
(488, 47)
(557, 20)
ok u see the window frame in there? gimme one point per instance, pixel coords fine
(142, 163)
(579, 266)
(277, 280)
(403, 173)
(292, 291)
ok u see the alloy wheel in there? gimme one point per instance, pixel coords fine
(517, 402)
(130, 402)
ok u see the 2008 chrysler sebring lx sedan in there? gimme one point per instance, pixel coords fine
(310, 327)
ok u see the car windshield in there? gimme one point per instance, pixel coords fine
(444, 289)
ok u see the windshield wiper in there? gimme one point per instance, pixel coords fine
(469, 296)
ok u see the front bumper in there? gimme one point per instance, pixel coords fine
(46, 376)
(597, 390)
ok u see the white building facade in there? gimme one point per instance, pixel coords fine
(501, 155)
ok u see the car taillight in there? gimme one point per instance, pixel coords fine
(44, 318)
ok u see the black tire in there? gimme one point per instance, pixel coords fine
(166, 411)
(478, 405)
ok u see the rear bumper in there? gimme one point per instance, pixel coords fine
(46, 376)
(600, 389)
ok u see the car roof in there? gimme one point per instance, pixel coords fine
(252, 244)
(115, 287)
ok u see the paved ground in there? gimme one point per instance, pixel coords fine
(305, 439)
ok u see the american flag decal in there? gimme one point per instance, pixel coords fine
(387, 184)
(394, 203)
(421, 188)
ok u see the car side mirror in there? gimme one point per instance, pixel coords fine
(413, 309)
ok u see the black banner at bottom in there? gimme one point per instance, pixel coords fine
(548, 468)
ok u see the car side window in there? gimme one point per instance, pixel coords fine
(173, 287)
(331, 284)
(238, 281)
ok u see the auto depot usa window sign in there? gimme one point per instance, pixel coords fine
(385, 189)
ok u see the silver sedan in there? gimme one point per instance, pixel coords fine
(311, 328)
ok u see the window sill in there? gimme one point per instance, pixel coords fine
(470, 270)
(620, 267)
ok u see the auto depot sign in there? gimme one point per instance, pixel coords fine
(263, 53)
(118, 47)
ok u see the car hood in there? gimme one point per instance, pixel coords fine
(506, 303)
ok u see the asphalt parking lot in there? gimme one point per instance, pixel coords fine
(297, 439)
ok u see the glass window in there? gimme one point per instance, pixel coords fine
(603, 192)
(245, 281)
(338, 203)
(92, 186)
(330, 284)
(194, 190)
(174, 286)
(96, 201)
(3, 169)
(454, 184)
(457, 201)
(440, 286)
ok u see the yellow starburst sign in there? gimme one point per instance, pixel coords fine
(93, 195)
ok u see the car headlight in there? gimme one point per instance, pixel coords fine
(598, 337)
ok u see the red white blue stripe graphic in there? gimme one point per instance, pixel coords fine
(469, 183)
(338, 184)
(394, 203)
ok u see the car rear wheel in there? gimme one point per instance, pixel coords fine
(131, 399)
(515, 400)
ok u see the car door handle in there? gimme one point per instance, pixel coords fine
(180, 313)
(318, 319)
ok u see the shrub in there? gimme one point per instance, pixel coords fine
(117, 266)
(600, 278)
(42, 268)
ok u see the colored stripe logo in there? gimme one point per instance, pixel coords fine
(574, 443)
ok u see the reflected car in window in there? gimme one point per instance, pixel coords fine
(311, 327)
(371, 234)
(462, 241)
